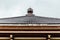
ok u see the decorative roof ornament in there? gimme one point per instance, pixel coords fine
(30, 12)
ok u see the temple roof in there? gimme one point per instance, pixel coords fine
(30, 18)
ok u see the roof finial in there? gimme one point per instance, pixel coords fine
(30, 12)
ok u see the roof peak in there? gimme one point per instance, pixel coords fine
(30, 12)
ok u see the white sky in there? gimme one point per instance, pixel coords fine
(47, 8)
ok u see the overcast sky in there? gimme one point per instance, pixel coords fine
(46, 8)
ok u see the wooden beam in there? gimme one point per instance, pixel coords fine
(29, 31)
(29, 28)
(29, 38)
